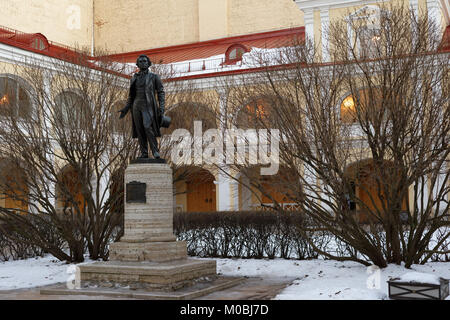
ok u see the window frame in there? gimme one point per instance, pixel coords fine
(372, 24)
(19, 87)
(65, 112)
(239, 48)
(39, 43)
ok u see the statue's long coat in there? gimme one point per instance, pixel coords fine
(153, 85)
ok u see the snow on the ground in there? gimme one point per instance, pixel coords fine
(311, 279)
(327, 279)
(34, 272)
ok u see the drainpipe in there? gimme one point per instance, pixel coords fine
(93, 29)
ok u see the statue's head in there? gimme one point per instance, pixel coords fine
(143, 62)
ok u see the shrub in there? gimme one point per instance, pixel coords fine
(245, 234)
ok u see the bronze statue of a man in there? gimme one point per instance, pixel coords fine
(147, 116)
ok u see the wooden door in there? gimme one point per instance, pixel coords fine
(275, 195)
(21, 190)
(368, 194)
(201, 195)
(12, 203)
(369, 190)
(73, 186)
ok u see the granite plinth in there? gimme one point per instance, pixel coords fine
(165, 276)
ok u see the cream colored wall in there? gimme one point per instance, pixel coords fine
(8, 68)
(213, 19)
(131, 25)
(317, 31)
(250, 16)
(127, 25)
(337, 14)
(422, 5)
(66, 21)
(340, 13)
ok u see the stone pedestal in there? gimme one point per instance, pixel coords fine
(148, 255)
(148, 227)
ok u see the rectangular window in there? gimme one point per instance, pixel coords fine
(368, 38)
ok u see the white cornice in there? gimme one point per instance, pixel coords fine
(317, 4)
(17, 56)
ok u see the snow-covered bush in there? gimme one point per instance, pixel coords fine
(12, 248)
(246, 234)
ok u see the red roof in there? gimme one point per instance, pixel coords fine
(27, 42)
(446, 39)
(25, 38)
(178, 53)
(206, 49)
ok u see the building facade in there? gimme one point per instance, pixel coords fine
(200, 41)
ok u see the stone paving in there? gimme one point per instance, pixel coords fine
(250, 289)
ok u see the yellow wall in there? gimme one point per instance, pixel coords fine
(340, 13)
(337, 14)
(130, 25)
(250, 16)
(66, 21)
(8, 68)
(127, 25)
(213, 19)
(317, 31)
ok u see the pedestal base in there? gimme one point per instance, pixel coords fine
(164, 276)
(200, 288)
(148, 256)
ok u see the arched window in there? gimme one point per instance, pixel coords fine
(235, 53)
(367, 103)
(184, 114)
(71, 109)
(256, 114)
(119, 126)
(283, 188)
(364, 28)
(348, 110)
(39, 43)
(14, 99)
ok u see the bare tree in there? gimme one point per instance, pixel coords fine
(189, 105)
(68, 157)
(364, 135)
(65, 152)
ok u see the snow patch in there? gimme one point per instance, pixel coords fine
(419, 277)
(310, 279)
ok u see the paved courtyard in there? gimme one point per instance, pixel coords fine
(253, 288)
